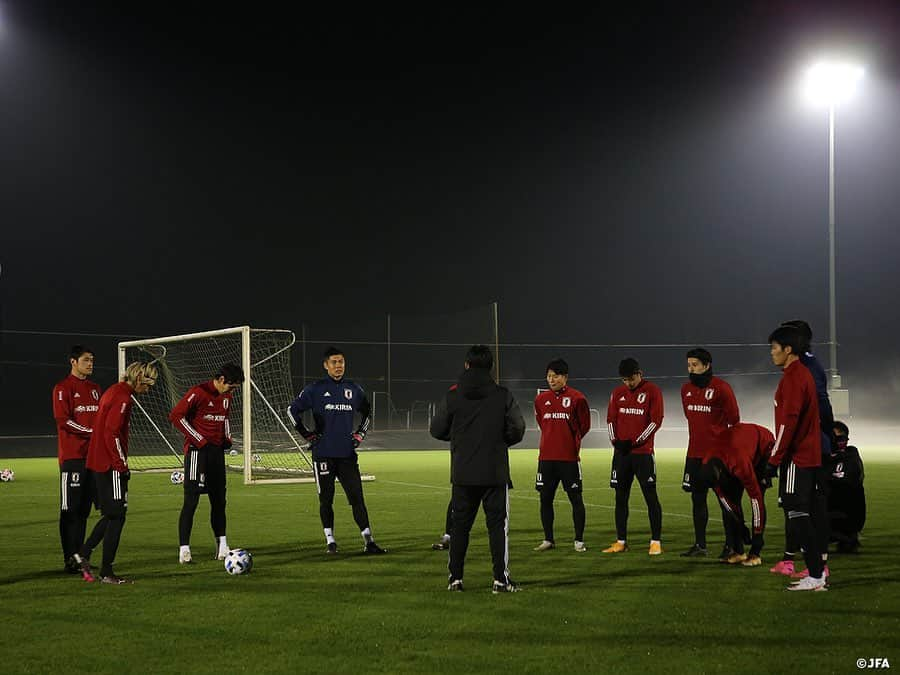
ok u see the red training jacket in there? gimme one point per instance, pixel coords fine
(564, 419)
(743, 447)
(109, 441)
(75, 405)
(636, 415)
(709, 410)
(798, 436)
(202, 416)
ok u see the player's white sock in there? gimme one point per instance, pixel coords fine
(652, 541)
(621, 541)
(223, 545)
(445, 537)
(184, 549)
(329, 535)
(366, 535)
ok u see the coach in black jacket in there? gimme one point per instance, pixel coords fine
(481, 420)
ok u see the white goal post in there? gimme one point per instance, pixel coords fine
(265, 446)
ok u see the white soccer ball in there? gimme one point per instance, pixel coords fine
(257, 459)
(233, 452)
(177, 478)
(238, 561)
(7, 475)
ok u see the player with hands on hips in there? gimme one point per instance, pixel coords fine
(334, 403)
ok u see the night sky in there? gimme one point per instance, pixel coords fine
(642, 176)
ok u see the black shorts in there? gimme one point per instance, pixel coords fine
(633, 465)
(74, 487)
(110, 492)
(204, 470)
(797, 486)
(693, 479)
(550, 473)
(345, 469)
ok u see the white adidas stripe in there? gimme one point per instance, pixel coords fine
(757, 518)
(506, 539)
(77, 427)
(777, 441)
(64, 479)
(193, 432)
(646, 433)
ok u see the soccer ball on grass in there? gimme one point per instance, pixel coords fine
(177, 478)
(238, 561)
(7, 475)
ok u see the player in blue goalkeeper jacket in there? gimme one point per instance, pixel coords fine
(334, 403)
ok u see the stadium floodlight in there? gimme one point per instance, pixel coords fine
(830, 83)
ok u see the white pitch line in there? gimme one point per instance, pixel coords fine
(537, 499)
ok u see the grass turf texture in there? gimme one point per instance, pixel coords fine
(302, 611)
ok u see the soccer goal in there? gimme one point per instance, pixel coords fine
(265, 445)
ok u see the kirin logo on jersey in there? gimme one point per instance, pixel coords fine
(95, 394)
(642, 397)
(225, 403)
(566, 401)
(709, 394)
(348, 394)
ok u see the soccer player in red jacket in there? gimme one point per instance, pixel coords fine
(76, 401)
(564, 418)
(797, 455)
(634, 416)
(710, 408)
(107, 462)
(202, 416)
(738, 463)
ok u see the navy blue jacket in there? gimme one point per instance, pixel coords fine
(826, 415)
(334, 404)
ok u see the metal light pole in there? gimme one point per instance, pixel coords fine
(831, 83)
(835, 379)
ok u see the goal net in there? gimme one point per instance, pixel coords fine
(265, 445)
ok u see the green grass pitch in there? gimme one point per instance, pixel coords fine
(300, 611)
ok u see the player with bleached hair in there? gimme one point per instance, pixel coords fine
(107, 464)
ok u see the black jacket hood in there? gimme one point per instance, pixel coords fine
(476, 383)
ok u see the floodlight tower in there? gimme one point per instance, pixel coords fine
(830, 83)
